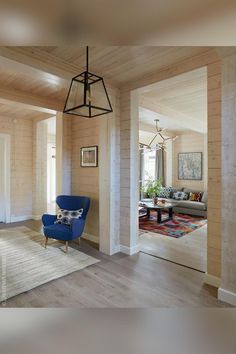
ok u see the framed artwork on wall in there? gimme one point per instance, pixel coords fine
(190, 166)
(89, 156)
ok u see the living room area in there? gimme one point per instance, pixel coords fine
(173, 169)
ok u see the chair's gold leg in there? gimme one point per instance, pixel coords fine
(66, 246)
(46, 242)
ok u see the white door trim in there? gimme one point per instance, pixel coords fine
(7, 175)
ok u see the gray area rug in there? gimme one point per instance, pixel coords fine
(26, 264)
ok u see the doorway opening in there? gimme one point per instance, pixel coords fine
(51, 165)
(175, 228)
(4, 178)
(45, 186)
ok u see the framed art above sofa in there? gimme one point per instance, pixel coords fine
(190, 166)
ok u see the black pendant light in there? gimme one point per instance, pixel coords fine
(87, 96)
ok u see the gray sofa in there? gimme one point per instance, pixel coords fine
(187, 206)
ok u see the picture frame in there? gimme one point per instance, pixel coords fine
(190, 166)
(89, 156)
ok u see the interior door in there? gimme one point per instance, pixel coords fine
(2, 181)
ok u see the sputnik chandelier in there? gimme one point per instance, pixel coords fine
(159, 145)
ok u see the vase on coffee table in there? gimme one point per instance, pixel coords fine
(155, 200)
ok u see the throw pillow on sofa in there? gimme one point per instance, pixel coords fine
(180, 196)
(165, 192)
(195, 197)
(204, 198)
(65, 216)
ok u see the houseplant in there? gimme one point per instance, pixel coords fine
(152, 189)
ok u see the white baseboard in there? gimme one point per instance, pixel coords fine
(24, 218)
(20, 218)
(90, 237)
(227, 296)
(130, 250)
(212, 280)
(36, 217)
(116, 249)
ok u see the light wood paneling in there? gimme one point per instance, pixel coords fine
(182, 99)
(123, 64)
(214, 168)
(228, 199)
(85, 181)
(21, 133)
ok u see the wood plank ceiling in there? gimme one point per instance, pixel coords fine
(123, 64)
(45, 72)
(181, 100)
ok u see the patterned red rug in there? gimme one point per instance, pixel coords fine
(178, 227)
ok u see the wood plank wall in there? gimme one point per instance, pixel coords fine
(228, 178)
(21, 133)
(66, 154)
(214, 169)
(102, 183)
(85, 181)
(125, 171)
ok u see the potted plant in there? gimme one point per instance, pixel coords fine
(152, 189)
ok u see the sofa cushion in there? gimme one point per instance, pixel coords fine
(195, 197)
(180, 196)
(165, 192)
(190, 205)
(204, 198)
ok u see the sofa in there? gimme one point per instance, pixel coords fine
(186, 206)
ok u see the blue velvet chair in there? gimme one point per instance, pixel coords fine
(64, 232)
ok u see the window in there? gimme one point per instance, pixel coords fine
(149, 165)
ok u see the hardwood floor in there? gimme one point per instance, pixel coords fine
(120, 281)
(189, 250)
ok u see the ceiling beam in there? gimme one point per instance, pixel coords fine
(40, 60)
(18, 67)
(45, 62)
(182, 120)
(27, 106)
(30, 100)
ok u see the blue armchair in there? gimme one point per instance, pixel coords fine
(64, 232)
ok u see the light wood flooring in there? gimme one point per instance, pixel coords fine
(120, 281)
(189, 250)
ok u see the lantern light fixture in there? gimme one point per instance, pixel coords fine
(87, 95)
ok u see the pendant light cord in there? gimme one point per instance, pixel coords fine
(87, 53)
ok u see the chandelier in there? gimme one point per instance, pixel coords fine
(160, 145)
(87, 96)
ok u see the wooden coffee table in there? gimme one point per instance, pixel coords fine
(159, 208)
